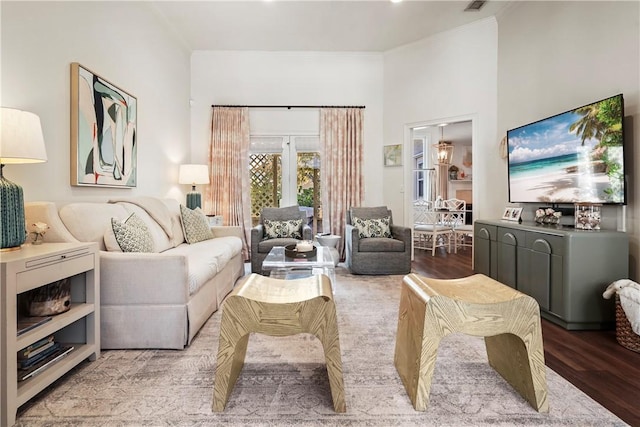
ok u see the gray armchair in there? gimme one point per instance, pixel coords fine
(261, 244)
(377, 255)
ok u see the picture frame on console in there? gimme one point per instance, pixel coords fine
(512, 214)
(103, 132)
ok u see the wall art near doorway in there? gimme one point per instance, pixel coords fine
(103, 132)
(393, 155)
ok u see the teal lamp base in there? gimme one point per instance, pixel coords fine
(12, 226)
(194, 200)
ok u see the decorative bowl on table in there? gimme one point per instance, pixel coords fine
(300, 251)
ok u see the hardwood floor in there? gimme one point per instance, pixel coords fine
(593, 361)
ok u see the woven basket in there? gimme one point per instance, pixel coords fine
(624, 334)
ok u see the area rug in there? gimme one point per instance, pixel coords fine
(284, 381)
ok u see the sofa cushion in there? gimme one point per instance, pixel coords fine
(381, 244)
(161, 241)
(176, 221)
(132, 234)
(373, 227)
(195, 225)
(282, 229)
(206, 258)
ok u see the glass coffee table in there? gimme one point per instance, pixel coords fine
(282, 267)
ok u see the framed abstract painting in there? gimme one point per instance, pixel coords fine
(393, 155)
(104, 144)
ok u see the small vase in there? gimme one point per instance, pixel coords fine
(38, 239)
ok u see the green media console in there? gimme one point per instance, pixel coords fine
(564, 269)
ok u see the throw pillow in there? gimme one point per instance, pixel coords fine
(132, 234)
(195, 225)
(374, 227)
(282, 229)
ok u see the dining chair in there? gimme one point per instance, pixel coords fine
(462, 233)
(431, 228)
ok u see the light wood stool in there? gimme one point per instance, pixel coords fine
(277, 308)
(509, 321)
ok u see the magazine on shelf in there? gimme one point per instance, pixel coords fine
(25, 324)
(25, 374)
(27, 363)
(36, 352)
(33, 349)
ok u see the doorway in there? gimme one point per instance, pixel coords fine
(426, 178)
(284, 170)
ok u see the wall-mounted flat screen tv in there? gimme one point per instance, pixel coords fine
(576, 156)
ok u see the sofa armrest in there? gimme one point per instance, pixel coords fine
(401, 232)
(352, 243)
(226, 230)
(47, 212)
(143, 278)
(257, 234)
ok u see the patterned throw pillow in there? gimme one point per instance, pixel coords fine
(282, 229)
(378, 227)
(195, 225)
(132, 234)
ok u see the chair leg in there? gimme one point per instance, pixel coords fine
(416, 348)
(328, 336)
(519, 358)
(230, 360)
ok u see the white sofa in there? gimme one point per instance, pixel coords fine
(149, 300)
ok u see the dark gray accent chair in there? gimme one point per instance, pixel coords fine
(260, 246)
(377, 255)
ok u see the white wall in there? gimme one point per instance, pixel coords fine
(124, 43)
(557, 56)
(290, 78)
(448, 77)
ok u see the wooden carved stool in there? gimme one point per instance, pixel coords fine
(277, 308)
(509, 321)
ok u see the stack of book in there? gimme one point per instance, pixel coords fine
(38, 356)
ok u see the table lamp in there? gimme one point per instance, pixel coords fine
(21, 141)
(193, 175)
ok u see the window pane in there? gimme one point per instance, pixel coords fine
(266, 185)
(308, 178)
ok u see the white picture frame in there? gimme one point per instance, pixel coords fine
(512, 214)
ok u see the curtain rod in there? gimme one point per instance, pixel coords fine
(288, 107)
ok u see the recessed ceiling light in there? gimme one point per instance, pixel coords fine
(396, 1)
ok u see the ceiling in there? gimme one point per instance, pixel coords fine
(284, 25)
(457, 132)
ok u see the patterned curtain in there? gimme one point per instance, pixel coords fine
(341, 178)
(228, 160)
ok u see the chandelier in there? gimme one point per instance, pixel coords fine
(443, 152)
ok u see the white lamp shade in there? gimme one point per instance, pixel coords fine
(21, 138)
(193, 174)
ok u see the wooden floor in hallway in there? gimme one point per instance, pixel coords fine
(593, 361)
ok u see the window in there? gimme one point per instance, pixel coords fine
(284, 171)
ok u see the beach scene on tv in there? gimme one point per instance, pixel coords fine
(573, 157)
